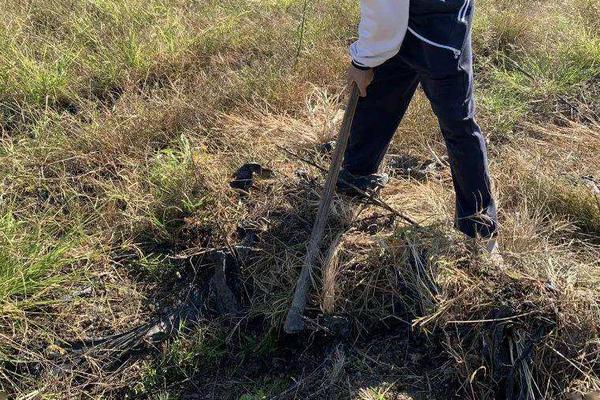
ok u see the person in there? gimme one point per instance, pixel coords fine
(403, 44)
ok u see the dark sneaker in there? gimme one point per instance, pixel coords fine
(348, 183)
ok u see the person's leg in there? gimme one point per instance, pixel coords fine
(378, 115)
(448, 83)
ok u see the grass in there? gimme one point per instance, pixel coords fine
(28, 266)
(122, 124)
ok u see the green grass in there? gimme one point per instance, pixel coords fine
(32, 263)
(184, 358)
(529, 67)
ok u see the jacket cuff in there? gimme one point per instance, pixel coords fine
(361, 67)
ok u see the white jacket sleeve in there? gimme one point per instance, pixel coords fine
(382, 28)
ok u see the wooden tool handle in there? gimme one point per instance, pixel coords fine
(295, 320)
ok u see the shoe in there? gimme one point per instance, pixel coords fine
(488, 248)
(348, 184)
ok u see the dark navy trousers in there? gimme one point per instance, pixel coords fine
(447, 80)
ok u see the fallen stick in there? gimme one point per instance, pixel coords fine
(370, 197)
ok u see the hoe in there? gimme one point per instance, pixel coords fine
(294, 322)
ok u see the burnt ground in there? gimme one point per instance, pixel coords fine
(391, 360)
(336, 358)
